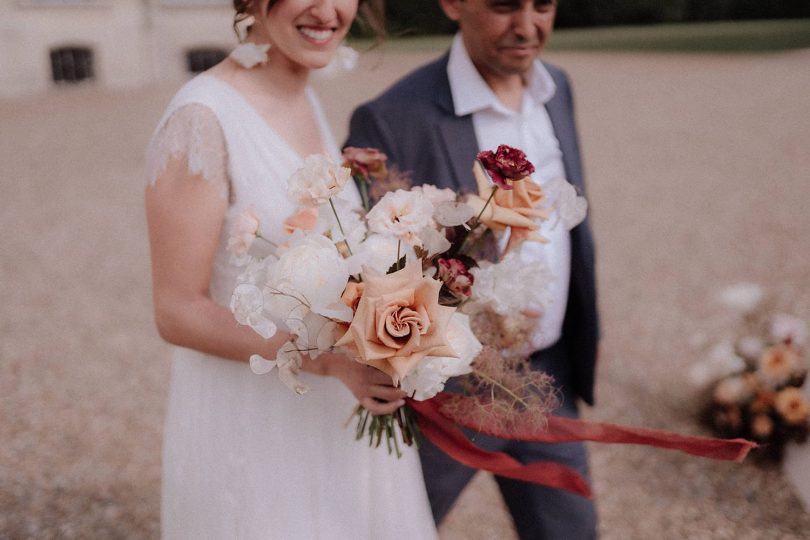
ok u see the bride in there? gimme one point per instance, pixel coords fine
(243, 456)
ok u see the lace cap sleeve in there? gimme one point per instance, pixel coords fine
(193, 132)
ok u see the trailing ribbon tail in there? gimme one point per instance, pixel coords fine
(447, 436)
(445, 433)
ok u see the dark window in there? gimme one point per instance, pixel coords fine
(71, 64)
(198, 60)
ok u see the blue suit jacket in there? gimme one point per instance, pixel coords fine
(414, 123)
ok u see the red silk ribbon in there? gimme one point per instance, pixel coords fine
(447, 436)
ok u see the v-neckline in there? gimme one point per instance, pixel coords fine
(284, 142)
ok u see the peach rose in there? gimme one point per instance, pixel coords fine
(398, 322)
(516, 209)
(791, 405)
(303, 220)
(351, 296)
(243, 232)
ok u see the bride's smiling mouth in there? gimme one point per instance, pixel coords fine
(317, 35)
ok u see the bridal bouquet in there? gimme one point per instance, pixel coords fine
(414, 286)
(757, 391)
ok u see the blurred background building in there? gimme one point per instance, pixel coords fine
(114, 43)
(125, 43)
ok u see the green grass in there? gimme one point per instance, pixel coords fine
(742, 36)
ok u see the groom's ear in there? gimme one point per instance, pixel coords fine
(451, 9)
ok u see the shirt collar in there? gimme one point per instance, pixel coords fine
(472, 94)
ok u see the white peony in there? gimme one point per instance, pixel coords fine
(432, 372)
(786, 327)
(317, 181)
(401, 214)
(511, 285)
(309, 276)
(742, 296)
(571, 207)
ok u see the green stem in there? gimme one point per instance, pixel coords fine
(399, 245)
(362, 183)
(476, 222)
(340, 226)
(481, 213)
(260, 237)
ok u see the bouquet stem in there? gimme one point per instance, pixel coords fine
(393, 427)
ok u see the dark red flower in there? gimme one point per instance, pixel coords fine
(505, 164)
(455, 274)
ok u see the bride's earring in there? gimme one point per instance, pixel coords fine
(249, 55)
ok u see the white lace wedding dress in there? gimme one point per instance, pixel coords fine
(244, 457)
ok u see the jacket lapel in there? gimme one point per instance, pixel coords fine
(563, 129)
(457, 135)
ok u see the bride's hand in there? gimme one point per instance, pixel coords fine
(371, 387)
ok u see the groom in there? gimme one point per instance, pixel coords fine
(491, 89)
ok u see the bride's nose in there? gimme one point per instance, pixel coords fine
(324, 10)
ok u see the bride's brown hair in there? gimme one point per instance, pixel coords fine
(370, 15)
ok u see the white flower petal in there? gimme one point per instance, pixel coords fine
(433, 241)
(261, 366)
(401, 214)
(451, 214)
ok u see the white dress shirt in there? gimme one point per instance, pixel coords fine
(530, 130)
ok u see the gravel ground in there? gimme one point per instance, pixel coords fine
(698, 175)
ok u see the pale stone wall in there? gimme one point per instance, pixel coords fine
(134, 42)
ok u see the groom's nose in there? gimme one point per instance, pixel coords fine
(524, 22)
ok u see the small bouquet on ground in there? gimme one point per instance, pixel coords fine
(757, 392)
(404, 286)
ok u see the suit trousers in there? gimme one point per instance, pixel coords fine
(538, 512)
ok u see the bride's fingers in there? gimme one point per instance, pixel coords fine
(375, 376)
(378, 408)
(387, 393)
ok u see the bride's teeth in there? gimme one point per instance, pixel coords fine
(317, 35)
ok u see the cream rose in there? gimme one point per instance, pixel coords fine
(317, 181)
(398, 322)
